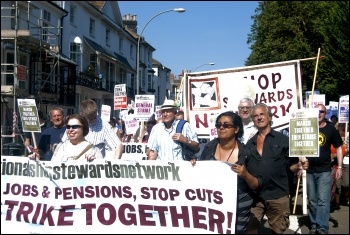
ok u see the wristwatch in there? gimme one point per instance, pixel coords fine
(189, 142)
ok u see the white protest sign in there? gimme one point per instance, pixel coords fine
(158, 112)
(120, 97)
(125, 196)
(318, 99)
(131, 124)
(144, 107)
(134, 151)
(333, 105)
(343, 116)
(106, 113)
(277, 84)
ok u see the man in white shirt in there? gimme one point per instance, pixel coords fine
(163, 142)
(244, 107)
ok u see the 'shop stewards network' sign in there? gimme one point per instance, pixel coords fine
(109, 196)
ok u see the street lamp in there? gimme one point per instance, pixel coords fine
(180, 10)
(203, 65)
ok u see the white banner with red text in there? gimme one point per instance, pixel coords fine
(210, 93)
(117, 196)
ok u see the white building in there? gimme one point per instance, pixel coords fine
(63, 52)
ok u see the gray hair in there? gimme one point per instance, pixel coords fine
(267, 109)
(246, 100)
(57, 109)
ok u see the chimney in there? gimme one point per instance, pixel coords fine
(130, 22)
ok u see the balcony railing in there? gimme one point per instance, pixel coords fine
(88, 80)
(94, 82)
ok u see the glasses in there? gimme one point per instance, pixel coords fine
(321, 111)
(245, 107)
(74, 127)
(224, 125)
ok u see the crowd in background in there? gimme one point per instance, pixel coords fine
(247, 133)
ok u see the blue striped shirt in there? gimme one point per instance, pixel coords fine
(160, 140)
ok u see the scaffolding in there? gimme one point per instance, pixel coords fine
(29, 60)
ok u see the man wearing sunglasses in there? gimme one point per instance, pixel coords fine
(318, 175)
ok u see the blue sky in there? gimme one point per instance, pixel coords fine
(207, 32)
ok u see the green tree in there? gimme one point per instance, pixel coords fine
(293, 30)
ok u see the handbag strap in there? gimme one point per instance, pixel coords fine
(84, 151)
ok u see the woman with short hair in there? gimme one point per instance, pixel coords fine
(76, 147)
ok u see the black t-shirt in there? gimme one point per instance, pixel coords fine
(328, 136)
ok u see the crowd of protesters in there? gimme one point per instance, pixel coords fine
(245, 141)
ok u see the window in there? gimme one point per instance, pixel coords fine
(93, 63)
(45, 25)
(75, 54)
(13, 20)
(9, 69)
(150, 82)
(123, 76)
(108, 32)
(131, 51)
(72, 14)
(120, 45)
(110, 76)
(149, 57)
(92, 27)
(47, 16)
(44, 31)
(132, 82)
(70, 111)
(143, 81)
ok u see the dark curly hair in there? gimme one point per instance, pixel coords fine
(82, 119)
(236, 120)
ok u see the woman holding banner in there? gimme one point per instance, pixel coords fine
(76, 147)
(228, 149)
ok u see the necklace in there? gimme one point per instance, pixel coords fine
(234, 146)
(169, 130)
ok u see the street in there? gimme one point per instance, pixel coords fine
(299, 223)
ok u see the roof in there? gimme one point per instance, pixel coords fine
(97, 4)
(123, 60)
(119, 58)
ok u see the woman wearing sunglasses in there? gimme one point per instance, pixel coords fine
(227, 148)
(76, 147)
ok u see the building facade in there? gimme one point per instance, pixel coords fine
(63, 52)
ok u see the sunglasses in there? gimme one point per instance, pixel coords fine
(321, 111)
(224, 125)
(74, 127)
